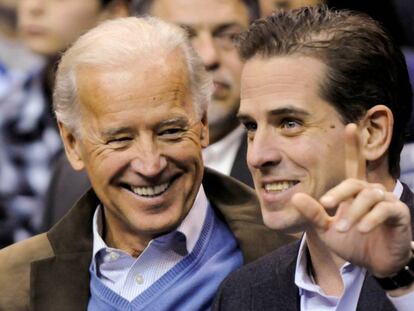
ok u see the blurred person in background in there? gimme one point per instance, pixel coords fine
(29, 140)
(211, 26)
(268, 6)
(17, 65)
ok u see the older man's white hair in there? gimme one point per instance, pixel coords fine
(117, 42)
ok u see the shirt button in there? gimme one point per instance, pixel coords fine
(139, 279)
(114, 256)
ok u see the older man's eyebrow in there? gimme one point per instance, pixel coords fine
(180, 121)
(116, 131)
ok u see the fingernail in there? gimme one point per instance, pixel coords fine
(342, 225)
(364, 227)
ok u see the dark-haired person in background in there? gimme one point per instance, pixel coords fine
(325, 100)
(269, 6)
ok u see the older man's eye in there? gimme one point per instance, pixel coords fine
(119, 140)
(171, 132)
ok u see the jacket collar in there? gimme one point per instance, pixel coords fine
(62, 282)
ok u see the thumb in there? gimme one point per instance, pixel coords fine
(311, 210)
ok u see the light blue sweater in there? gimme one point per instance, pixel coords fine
(189, 285)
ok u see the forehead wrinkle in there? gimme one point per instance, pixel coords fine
(96, 88)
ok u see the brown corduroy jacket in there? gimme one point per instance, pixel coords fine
(51, 271)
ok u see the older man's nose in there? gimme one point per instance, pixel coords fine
(148, 161)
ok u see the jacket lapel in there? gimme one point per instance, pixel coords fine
(62, 282)
(373, 297)
(279, 291)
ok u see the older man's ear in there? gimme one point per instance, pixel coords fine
(376, 133)
(205, 136)
(72, 147)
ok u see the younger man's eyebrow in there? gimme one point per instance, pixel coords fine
(277, 112)
(288, 111)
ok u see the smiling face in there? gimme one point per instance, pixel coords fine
(295, 138)
(140, 142)
(212, 26)
(48, 27)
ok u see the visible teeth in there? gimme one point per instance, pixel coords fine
(279, 186)
(150, 191)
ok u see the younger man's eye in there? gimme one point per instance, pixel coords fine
(290, 124)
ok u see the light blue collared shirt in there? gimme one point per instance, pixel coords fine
(312, 296)
(129, 276)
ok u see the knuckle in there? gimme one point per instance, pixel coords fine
(378, 186)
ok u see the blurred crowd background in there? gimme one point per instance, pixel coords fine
(34, 33)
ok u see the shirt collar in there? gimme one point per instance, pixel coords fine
(220, 155)
(228, 140)
(190, 227)
(398, 189)
(302, 278)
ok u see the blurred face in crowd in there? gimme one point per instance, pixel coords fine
(212, 25)
(8, 18)
(268, 6)
(11, 4)
(295, 138)
(140, 142)
(48, 27)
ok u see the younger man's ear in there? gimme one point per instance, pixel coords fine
(72, 148)
(377, 132)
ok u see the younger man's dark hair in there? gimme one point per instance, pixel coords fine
(364, 67)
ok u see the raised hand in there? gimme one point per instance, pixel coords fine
(370, 227)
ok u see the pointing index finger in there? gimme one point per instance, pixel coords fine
(355, 166)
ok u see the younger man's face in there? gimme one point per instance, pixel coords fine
(295, 138)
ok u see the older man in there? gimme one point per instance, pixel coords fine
(211, 26)
(325, 99)
(155, 232)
